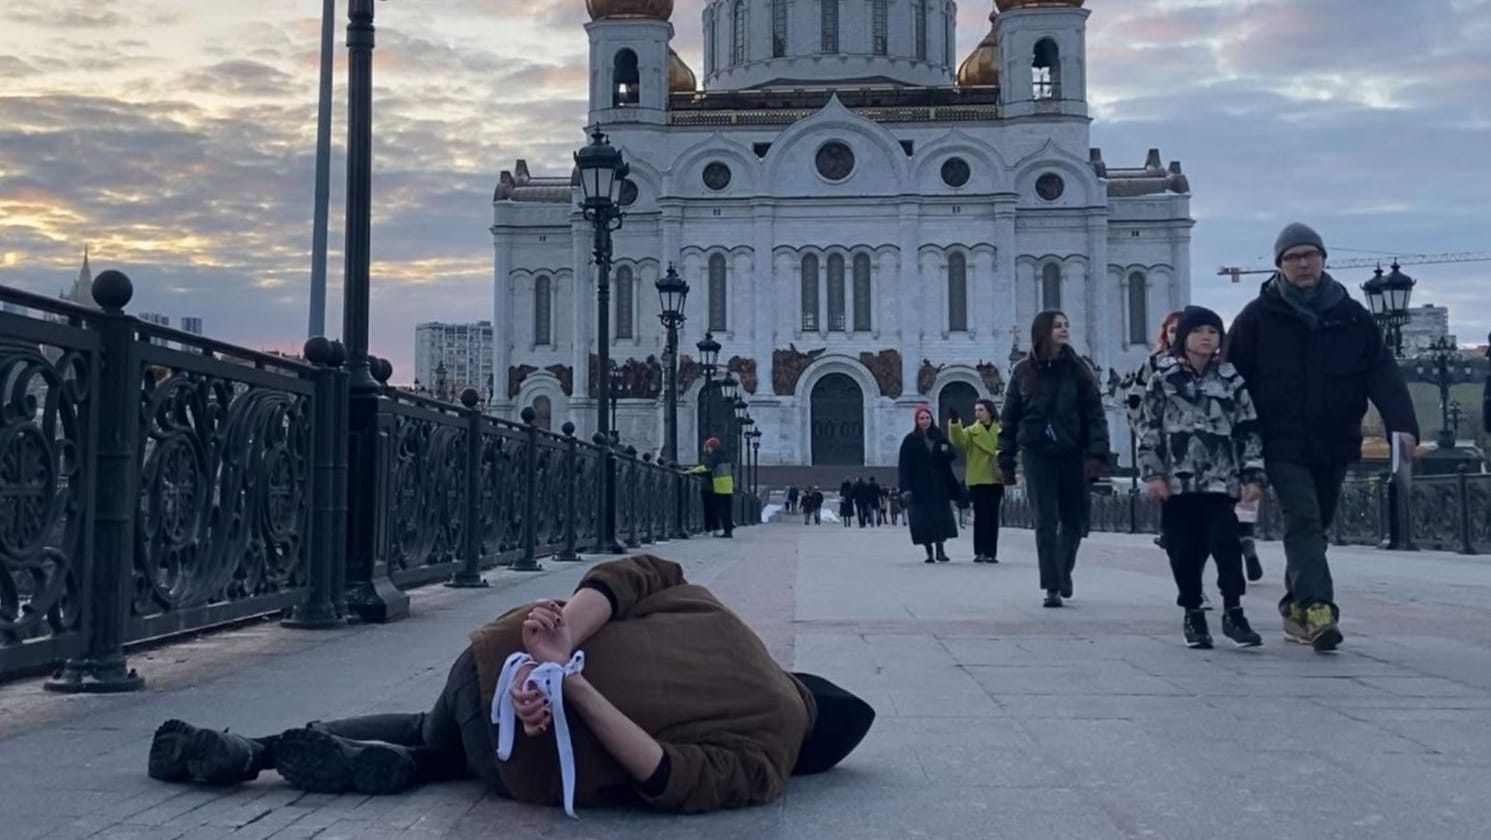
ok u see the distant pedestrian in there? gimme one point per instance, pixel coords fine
(980, 445)
(928, 486)
(894, 503)
(1313, 358)
(1200, 452)
(812, 504)
(791, 498)
(721, 485)
(846, 503)
(1053, 420)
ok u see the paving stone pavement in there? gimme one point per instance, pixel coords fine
(997, 718)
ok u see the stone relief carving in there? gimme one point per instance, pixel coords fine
(515, 376)
(926, 376)
(993, 379)
(787, 367)
(688, 371)
(745, 371)
(885, 366)
(640, 378)
(566, 376)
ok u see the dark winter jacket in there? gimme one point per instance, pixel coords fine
(926, 473)
(1062, 415)
(1198, 431)
(1311, 385)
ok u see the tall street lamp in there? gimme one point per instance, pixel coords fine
(1387, 298)
(755, 435)
(616, 383)
(1443, 365)
(709, 355)
(742, 414)
(601, 172)
(672, 292)
(358, 234)
(1486, 391)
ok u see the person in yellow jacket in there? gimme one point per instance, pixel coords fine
(979, 443)
(722, 481)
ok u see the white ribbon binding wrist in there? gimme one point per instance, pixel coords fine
(548, 678)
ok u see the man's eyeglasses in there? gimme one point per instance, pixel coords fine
(1301, 257)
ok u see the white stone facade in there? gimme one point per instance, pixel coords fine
(938, 217)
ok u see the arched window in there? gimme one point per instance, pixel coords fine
(738, 32)
(543, 413)
(718, 313)
(1051, 286)
(861, 292)
(625, 292)
(1047, 67)
(829, 23)
(919, 27)
(810, 293)
(543, 311)
(949, 36)
(711, 59)
(835, 293)
(957, 292)
(1138, 308)
(778, 28)
(878, 15)
(625, 80)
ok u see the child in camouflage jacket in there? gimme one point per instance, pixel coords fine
(1200, 451)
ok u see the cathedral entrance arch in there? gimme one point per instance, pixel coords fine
(837, 419)
(959, 397)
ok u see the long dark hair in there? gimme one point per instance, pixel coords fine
(989, 407)
(1043, 349)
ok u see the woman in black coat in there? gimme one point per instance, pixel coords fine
(928, 486)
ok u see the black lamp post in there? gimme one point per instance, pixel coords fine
(616, 383)
(1486, 392)
(742, 414)
(672, 293)
(709, 354)
(1444, 366)
(1457, 416)
(442, 382)
(601, 172)
(1387, 298)
(755, 438)
(356, 296)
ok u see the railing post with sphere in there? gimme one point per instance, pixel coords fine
(102, 668)
(632, 472)
(527, 561)
(571, 480)
(319, 610)
(469, 575)
(1463, 480)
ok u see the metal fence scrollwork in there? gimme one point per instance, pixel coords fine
(154, 482)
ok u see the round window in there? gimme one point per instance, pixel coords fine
(835, 161)
(716, 176)
(1050, 186)
(955, 172)
(628, 192)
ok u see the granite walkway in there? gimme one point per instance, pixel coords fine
(997, 718)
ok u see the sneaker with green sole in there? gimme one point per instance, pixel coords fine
(1294, 626)
(1320, 622)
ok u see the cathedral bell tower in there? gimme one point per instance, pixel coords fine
(629, 60)
(1043, 52)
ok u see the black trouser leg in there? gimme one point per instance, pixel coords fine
(986, 500)
(1185, 543)
(726, 513)
(1307, 498)
(1057, 489)
(1225, 545)
(711, 514)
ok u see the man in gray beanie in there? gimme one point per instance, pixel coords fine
(1312, 358)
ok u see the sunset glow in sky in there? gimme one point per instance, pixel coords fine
(177, 139)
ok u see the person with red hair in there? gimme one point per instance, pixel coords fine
(928, 486)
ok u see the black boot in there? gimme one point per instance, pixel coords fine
(181, 752)
(316, 761)
(1053, 598)
(941, 555)
(1235, 626)
(1198, 635)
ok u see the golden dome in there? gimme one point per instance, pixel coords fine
(680, 78)
(1011, 5)
(660, 9)
(981, 67)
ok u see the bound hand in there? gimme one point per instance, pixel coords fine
(1159, 488)
(545, 635)
(529, 704)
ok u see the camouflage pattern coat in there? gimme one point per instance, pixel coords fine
(1199, 431)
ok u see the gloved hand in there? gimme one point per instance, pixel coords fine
(1094, 469)
(952, 416)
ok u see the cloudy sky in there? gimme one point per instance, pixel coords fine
(176, 138)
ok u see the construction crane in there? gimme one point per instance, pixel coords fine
(1236, 272)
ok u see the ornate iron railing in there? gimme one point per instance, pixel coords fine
(154, 482)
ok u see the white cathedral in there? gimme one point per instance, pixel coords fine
(865, 224)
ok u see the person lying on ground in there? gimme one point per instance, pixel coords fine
(675, 703)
